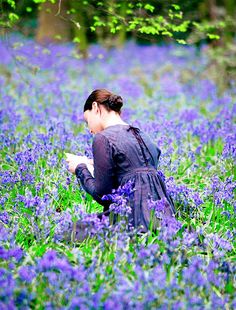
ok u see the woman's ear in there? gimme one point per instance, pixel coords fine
(95, 107)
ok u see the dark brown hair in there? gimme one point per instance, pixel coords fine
(102, 96)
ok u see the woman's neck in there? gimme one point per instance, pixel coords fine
(113, 120)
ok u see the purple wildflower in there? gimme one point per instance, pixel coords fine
(120, 198)
(27, 273)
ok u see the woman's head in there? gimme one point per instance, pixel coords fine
(100, 103)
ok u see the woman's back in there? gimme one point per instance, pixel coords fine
(123, 152)
(125, 141)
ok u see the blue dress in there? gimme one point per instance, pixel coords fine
(123, 152)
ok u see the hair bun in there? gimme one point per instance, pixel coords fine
(115, 102)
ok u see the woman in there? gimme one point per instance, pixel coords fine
(121, 152)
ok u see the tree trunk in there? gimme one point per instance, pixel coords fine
(122, 32)
(53, 22)
(230, 11)
(213, 17)
(79, 27)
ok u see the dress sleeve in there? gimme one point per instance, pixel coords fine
(103, 181)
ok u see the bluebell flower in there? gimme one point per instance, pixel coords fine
(27, 273)
(120, 198)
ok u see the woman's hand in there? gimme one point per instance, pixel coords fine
(90, 161)
(74, 160)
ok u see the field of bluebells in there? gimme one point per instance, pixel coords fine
(190, 261)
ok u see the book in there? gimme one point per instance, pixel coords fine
(90, 168)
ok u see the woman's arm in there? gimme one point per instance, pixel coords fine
(103, 181)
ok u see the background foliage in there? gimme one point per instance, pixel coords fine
(110, 23)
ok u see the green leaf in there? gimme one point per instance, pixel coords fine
(222, 24)
(171, 15)
(179, 15)
(182, 27)
(148, 30)
(160, 19)
(58, 37)
(113, 30)
(76, 40)
(28, 9)
(139, 5)
(39, 1)
(181, 41)
(12, 3)
(129, 11)
(176, 7)
(13, 17)
(149, 7)
(167, 33)
(213, 36)
(134, 23)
